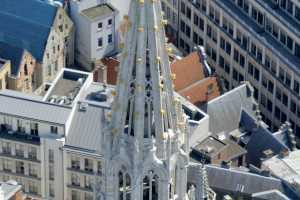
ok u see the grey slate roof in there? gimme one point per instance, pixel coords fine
(86, 130)
(271, 194)
(229, 180)
(262, 139)
(26, 24)
(32, 109)
(12, 53)
(225, 111)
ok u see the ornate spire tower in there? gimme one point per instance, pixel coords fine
(148, 146)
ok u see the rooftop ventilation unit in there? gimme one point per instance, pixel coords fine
(53, 99)
(208, 149)
(83, 106)
(99, 96)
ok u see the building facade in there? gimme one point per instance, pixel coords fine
(4, 72)
(84, 140)
(95, 33)
(256, 41)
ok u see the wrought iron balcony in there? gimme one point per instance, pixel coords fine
(18, 136)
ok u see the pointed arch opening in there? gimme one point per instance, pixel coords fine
(124, 185)
(150, 187)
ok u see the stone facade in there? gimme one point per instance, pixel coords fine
(59, 48)
(25, 80)
(4, 73)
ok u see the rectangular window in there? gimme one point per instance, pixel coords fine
(182, 8)
(54, 129)
(51, 190)
(34, 129)
(109, 39)
(88, 165)
(289, 42)
(100, 42)
(109, 22)
(296, 86)
(20, 167)
(293, 107)
(32, 153)
(75, 163)
(32, 170)
(100, 25)
(51, 172)
(49, 70)
(201, 24)
(51, 156)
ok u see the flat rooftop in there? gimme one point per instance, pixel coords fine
(97, 11)
(66, 87)
(98, 94)
(210, 145)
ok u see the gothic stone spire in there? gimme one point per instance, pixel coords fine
(144, 106)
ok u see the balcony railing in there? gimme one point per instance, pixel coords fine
(21, 137)
(6, 151)
(20, 153)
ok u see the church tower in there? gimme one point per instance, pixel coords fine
(147, 141)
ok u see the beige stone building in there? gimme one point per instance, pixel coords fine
(44, 47)
(4, 72)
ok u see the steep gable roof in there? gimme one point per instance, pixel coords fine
(26, 24)
(12, 53)
(188, 70)
(225, 111)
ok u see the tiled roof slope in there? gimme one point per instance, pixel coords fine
(26, 24)
(191, 81)
(188, 70)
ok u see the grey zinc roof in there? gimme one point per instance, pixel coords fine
(86, 129)
(33, 109)
(18, 94)
(225, 111)
(237, 181)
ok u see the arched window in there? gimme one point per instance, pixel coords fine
(124, 186)
(150, 187)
